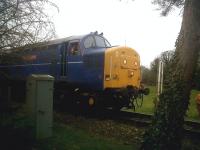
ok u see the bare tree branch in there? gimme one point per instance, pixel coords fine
(24, 22)
(167, 5)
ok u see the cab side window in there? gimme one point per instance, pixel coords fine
(74, 48)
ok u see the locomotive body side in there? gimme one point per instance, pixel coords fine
(82, 70)
(86, 65)
(42, 60)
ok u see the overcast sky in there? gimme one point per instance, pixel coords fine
(136, 24)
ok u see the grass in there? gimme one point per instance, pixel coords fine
(69, 138)
(72, 133)
(192, 112)
(148, 104)
(16, 133)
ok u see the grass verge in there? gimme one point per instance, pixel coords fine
(17, 132)
(148, 104)
(69, 138)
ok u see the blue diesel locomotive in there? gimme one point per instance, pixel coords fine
(85, 67)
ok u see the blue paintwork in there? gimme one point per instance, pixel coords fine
(85, 70)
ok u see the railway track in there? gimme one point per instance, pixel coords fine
(140, 119)
(191, 128)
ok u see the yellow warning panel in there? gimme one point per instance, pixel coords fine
(122, 68)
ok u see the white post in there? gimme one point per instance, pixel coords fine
(161, 82)
(160, 79)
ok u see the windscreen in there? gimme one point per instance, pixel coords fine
(96, 41)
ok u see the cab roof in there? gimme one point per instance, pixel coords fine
(53, 42)
(80, 37)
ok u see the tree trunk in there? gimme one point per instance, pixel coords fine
(166, 131)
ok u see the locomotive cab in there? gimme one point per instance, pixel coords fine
(112, 71)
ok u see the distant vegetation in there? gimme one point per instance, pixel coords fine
(149, 75)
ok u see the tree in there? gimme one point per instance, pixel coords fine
(154, 70)
(167, 56)
(166, 130)
(150, 76)
(23, 22)
(145, 72)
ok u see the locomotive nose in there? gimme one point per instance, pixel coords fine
(122, 68)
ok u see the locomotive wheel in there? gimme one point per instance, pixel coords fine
(117, 102)
(86, 104)
(63, 100)
(117, 107)
(89, 103)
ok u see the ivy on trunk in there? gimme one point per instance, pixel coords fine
(166, 131)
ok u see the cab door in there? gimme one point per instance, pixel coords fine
(63, 64)
(74, 61)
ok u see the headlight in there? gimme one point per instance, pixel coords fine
(135, 63)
